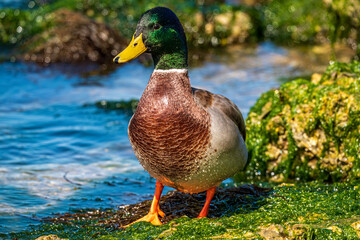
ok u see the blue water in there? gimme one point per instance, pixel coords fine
(15, 3)
(58, 152)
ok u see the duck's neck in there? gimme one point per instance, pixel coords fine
(170, 81)
(167, 88)
(174, 60)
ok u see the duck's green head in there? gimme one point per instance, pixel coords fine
(160, 33)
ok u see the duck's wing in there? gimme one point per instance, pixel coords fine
(211, 100)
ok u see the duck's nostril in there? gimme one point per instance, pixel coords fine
(135, 44)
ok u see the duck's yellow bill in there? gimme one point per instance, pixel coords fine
(135, 48)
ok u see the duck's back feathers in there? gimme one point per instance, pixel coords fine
(223, 104)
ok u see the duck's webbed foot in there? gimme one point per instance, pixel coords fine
(155, 212)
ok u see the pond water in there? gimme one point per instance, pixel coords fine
(59, 152)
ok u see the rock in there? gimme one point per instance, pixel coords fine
(347, 8)
(298, 231)
(50, 237)
(241, 27)
(167, 233)
(347, 14)
(308, 130)
(335, 229)
(237, 24)
(74, 38)
(356, 226)
(272, 232)
(249, 2)
(225, 27)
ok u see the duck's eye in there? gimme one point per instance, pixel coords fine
(156, 26)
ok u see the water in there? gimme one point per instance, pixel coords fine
(58, 152)
(14, 3)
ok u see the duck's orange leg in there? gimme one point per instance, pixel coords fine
(209, 196)
(153, 215)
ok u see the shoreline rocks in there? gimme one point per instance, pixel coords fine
(307, 130)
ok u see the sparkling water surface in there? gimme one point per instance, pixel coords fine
(59, 152)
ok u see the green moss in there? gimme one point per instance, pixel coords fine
(15, 25)
(313, 210)
(307, 130)
(297, 21)
(127, 106)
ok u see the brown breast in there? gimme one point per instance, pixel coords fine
(169, 131)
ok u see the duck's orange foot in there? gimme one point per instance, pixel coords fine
(161, 213)
(152, 217)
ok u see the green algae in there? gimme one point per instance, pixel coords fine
(307, 130)
(292, 211)
(126, 106)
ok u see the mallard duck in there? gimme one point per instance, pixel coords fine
(186, 138)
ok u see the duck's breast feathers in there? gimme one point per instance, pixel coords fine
(225, 106)
(169, 132)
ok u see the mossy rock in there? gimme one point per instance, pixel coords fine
(74, 38)
(307, 130)
(297, 21)
(346, 8)
(82, 30)
(221, 26)
(50, 237)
